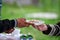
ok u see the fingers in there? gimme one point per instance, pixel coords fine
(21, 22)
(39, 25)
(42, 27)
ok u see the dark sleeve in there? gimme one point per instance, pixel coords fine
(53, 30)
(6, 25)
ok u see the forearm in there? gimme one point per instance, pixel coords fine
(53, 30)
(7, 25)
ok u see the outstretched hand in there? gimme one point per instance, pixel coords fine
(21, 22)
(40, 26)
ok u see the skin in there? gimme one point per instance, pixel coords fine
(21, 22)
(42, 27)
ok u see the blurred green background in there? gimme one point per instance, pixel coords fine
(13, 11)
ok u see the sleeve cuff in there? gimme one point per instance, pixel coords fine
(15, 23)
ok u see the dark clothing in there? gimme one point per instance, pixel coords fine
(6, 25)
(53, 30)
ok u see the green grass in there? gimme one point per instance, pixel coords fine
(11, 12)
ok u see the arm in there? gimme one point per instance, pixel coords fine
(7, 25)
(53, 30)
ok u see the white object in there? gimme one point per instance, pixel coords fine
(36, 22)
(2, 36)
(16, 32)
(47, 15)
(15, 35)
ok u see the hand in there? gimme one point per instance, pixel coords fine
(21, 22)
(38, 25)
(41, 27)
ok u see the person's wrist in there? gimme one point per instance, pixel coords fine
(17, 22)
(46, 28)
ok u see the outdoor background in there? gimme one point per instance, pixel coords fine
(13, 9)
